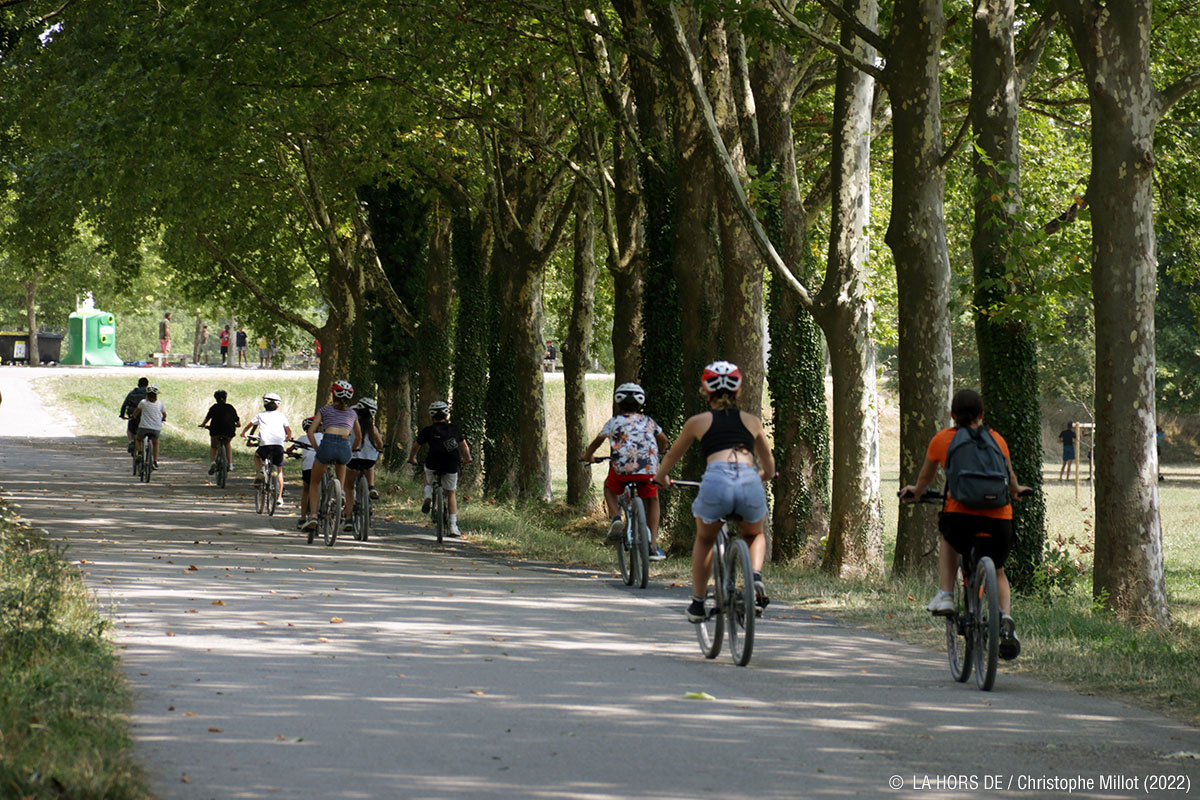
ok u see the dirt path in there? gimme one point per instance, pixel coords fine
(264, 667)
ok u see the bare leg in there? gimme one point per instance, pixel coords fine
(947, 565)
(610, 501)
(1002, 591)
(706, 536)
(653, 515)
(351, 478)
(752, 533)
(452, 502)
(314, 493)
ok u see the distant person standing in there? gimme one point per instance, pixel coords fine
(225, 345)
(241, 347)
(201, 345)
(164, 334)
(264, 354)
(1067, 437)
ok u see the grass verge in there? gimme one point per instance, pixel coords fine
(63, 701)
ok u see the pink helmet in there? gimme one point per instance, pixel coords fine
(721, 376)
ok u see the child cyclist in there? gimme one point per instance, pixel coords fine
(730, 440)
(149, 417)
(273, 432)
(342, 435)
(135, 396)
(307, 457)
(635, 441)
(959, 523)
(363, 459)
(222, 421)
(447, 449)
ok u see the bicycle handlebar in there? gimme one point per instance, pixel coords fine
(595, 459)
(932, 494)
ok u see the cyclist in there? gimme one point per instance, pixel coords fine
(273, 431)
(730, 440)
(222, 420)
(447, 449)
(149, 417)
(635, 441)
(307, 457)
(363, 459)
(959, 524)
(135, 396)
(342, 436)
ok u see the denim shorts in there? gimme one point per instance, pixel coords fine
(729, 488)
(334, 449)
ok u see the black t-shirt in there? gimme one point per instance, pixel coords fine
(135, 396)
(224, 419)
(241, 338)
(443, 439)
(1068, 438)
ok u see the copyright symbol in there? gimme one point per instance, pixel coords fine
(896, 782)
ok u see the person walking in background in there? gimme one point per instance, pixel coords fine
(164, 334)
(201, 345)
(241, 347)
(225, 346)
(263, 352)
(1067, 437)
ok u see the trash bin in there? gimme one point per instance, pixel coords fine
(14, 347)
(50, 347)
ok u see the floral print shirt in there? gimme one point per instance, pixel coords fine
(632, 438)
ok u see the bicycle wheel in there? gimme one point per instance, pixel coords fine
(147, 461)
(625, 547)
(137, 463)
(959, 641)
(639, 553)
(331, 516)
(739, 607)
(222, 467)
(439, 516)
(260, 491)
(987, 623)
(711, 631)
(271, 488)
(362, 508)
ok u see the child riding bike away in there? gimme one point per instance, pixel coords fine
(222, 421)
(273, 432)
(635, 440)
(447, 449)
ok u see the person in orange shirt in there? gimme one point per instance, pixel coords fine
(959, 523)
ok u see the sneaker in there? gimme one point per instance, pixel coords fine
(230, 467)
(311, 525)
(212, 468)
(656, 554)
(130, 448)
(454, 531)
(942, 603)
(761, 600)
(347, 526)
(696, 612)
(616, 529)
(425, 504)
(300, 523)
(154, 465)
(1010, 645)
(374, 494)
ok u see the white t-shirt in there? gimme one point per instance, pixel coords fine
(366, 450)
(272, 427)
(308, 455)
(152, 414)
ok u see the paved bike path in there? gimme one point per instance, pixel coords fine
(265, 667)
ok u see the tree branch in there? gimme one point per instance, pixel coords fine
(695, 83)
(1066, 217)
(848, 56)
(1177, 91)
(868, 35)
(257, 290)
(378, 276)
(1031, 53)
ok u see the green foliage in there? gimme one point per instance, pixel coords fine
(1177, 328)
(472, 333)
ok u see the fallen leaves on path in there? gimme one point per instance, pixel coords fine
(335, 620)
(218, 602)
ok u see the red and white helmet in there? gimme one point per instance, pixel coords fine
(721, 376)
(343, 390)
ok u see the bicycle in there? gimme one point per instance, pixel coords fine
(330, 501)
(266, 492)
(633, 548)
(730, 604)
(973, 627)
(362, 508)
(143, 460)
(439, 510)
(222, 472)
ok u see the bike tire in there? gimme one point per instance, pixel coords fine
(987, 624)
(362, 508)
(332, 517)
(640, 552)
(959, 640)
(270, 487)
(222, 467)
(439, 517)
(260, 492)
(147, 463)
(710, 633)
(137, 464)
(740, 605)
(625, 547)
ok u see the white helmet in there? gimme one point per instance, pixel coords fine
(439, 407)
(369, 404)
(626, 390)
(152, 389)
(271, 397)
(721, 376)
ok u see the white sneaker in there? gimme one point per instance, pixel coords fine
(454, 531)
(942, 603)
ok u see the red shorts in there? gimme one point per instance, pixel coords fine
(646, 489)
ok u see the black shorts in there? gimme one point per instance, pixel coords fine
(131, 427)
(224, 350)
(360, 464)
(991, 537)
(218, 439)
(272, 453)
(306, 476)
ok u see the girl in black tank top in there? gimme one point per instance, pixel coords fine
(726, 432)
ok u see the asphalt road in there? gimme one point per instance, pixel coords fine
(265, 667)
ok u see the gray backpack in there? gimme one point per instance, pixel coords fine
(976, 469)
